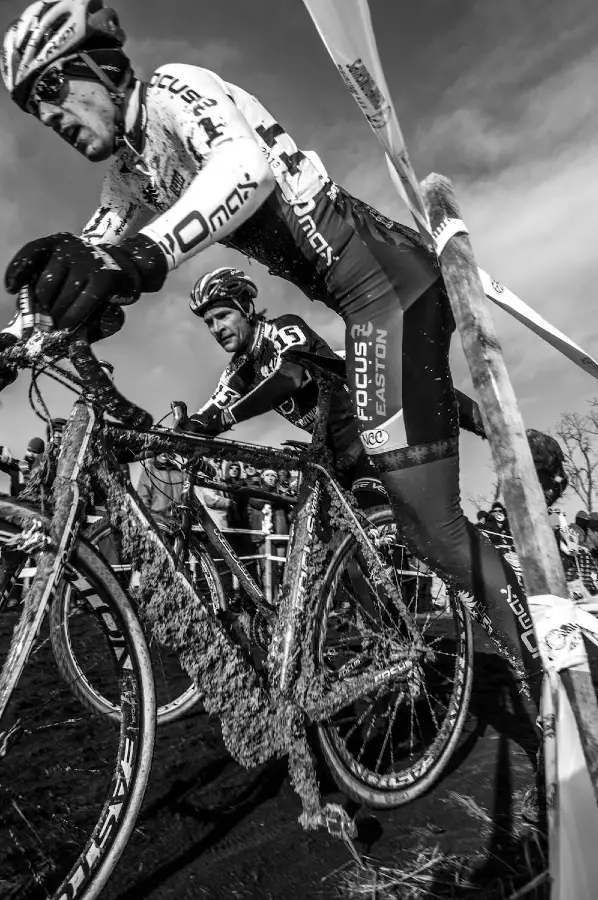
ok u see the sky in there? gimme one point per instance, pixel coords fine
(500, 97)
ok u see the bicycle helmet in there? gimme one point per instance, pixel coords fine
(223, 287)
(50, 30)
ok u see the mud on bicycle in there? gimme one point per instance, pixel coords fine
(352, 669)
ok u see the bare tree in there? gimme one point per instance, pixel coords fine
(485, 501)
(579, 438)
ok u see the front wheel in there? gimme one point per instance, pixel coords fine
(390, 746)
(71, 785)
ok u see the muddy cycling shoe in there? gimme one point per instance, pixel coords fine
(533, 805)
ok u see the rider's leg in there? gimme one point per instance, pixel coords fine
(395, 360)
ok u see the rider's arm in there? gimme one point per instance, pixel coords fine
(214, 499)
(116, 217)
(277, 387)
(233, 175)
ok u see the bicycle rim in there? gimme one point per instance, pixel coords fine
(175, 692)
(71, 785)
(391, 745)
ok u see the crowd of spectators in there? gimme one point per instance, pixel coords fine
(248, 520)
(577, 542)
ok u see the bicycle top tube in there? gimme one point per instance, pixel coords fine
(167, 441)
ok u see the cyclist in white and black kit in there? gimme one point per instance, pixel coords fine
(211, 164)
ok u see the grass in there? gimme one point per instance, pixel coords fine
(516, 868)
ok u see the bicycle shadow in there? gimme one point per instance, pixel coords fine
(220, 820)
(515, 853)
(496, 703)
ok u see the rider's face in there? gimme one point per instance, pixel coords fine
(85, 119)
(229, 326)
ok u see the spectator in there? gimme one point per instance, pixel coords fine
(20, 470)
(252, 476)
(54, 433)
(482, 518)
(284, 482)
(160, 484)
(217, 503)
(585, 565)
(497, 528)
(271, 519)
(237, 513)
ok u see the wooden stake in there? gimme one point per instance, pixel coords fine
(524, 499)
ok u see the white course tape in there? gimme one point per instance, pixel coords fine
(570, 800)
(345, 27)
(447, 229)
(559, 638)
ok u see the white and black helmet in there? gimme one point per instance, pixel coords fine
(48, 31)
(226, 287)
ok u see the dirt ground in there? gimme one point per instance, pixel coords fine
(210, 829)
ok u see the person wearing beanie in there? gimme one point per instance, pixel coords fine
(20, 470)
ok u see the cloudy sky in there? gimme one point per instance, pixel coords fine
(501, 97)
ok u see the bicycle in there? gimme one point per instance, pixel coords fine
(177, 696)
(351, 667)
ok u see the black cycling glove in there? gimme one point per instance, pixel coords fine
(210, 423)
(207, 423)
(71, 278)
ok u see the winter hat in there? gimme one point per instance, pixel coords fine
(36, 445)
(593, 521)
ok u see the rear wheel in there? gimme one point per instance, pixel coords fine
(390, 746)
(176, 694)
(71, 784)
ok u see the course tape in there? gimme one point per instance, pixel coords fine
(559, 637)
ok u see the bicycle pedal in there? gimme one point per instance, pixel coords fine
(340, 824)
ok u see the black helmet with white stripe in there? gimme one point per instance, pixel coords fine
(224, 287)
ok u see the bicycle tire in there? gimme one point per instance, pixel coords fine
(351, 775)
(66, 656)
(79, 872)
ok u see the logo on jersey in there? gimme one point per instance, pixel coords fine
(374, 438)
(302, 210)
(171, 84)
(193, 228)
(232, 204)
(527, 635)
(380, 371)
(360, 369)
(224, 396)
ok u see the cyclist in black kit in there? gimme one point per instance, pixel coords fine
(212, 165)
(266, 374)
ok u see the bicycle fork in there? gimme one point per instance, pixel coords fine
(68, 514)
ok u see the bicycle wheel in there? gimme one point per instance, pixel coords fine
(176, 694)
(389, 747)
(71, 785)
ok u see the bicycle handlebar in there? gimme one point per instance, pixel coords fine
(53, 345)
